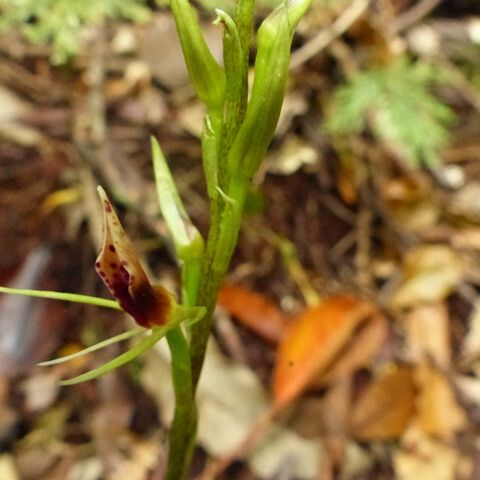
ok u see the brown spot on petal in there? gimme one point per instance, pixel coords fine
(112, 248)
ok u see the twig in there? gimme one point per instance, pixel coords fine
(318, 43)
(416, 13)
(465, 89)
(363, 251)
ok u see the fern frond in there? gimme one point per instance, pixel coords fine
(60, 22)
(397, 104)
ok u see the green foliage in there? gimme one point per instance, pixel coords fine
(397, 104)
(61, 22)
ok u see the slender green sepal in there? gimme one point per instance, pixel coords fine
(180, 313)
(186, 238)
(64, 296)
(206, 75)
(93, 348)
(128, 356)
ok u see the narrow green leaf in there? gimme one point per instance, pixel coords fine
(64, 296)
(179, 314)
(93, 348)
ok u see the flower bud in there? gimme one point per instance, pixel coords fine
(206, 75)
(263, 110)
(271, 69)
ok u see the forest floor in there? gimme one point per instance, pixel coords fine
(352, 253)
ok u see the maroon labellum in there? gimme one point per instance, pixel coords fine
(119, 267)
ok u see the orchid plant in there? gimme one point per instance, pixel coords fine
(236, 134)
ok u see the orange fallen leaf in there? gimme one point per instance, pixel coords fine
(313, 341)
(385, 409)
(255, 311)
(368, 341)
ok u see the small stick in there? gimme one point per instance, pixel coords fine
(416, 13)
(325, 37)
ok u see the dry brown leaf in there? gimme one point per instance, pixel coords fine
(423, 458)
(313, 341)
(427, 335)
(8, 470)
(471, 344)
(143, 456)
(411, 203)
(293, 155)
(431, 273)
(438, 411)
(385, 409)
(231, 400)
(465, 203)
(254, 310)
(87, 469)
(468, 388)
(356, 462)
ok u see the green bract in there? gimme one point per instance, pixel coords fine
(186, 238)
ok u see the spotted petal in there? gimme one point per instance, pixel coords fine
(119, 267)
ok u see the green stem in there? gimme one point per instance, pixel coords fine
(225, 218)
(184, 427)
(191, 277)
(215, 269)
